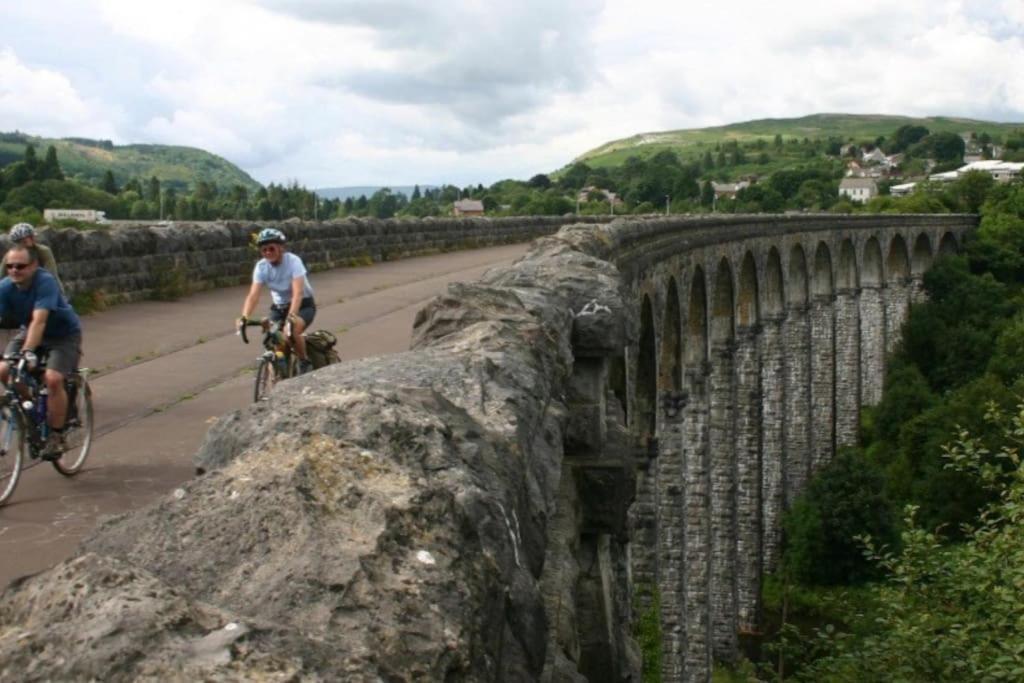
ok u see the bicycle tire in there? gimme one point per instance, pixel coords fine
(12, 450)
(77, 435)
(265, 379)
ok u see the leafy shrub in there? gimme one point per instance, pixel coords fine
(844, 500)
(951, 613)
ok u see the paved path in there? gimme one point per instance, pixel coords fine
(166, 370)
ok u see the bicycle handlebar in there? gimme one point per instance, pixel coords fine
(248, 323)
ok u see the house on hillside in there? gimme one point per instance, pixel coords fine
(875, 156)
(902, 190)
(468, 207)
(728, 190)
(858, 189)
(590, 191)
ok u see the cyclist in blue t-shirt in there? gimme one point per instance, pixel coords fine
(284, 274)
(30, 297)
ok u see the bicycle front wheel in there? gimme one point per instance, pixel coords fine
(12, 450)
(265, 378)
(77, 430)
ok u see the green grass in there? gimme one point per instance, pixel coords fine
(693, 143)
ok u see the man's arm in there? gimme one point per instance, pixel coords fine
(36, 326)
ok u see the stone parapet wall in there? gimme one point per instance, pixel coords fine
(133, 262)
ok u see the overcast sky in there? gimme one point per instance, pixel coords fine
(397, 92)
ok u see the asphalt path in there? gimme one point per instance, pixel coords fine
(164, 371)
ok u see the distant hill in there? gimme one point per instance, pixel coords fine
(88, 160)
(355, 192)
(692, 142)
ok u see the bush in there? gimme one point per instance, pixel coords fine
(844, 500)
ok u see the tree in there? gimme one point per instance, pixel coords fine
(153, 192)
(707, 194)
(970, 190)
(109, 185)
(906, 136)
(30, 160)
(843, 501)
(50, 168)
(540, 181)
(575, 176)
(946, 613)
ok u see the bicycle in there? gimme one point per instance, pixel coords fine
(23, 427)
(276, 363)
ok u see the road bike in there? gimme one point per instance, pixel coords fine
(277, 362)
(23, 427)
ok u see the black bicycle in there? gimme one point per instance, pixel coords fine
(23, 427)
(277, 362)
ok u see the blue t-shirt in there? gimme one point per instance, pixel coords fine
(17, 305)
(279, 278)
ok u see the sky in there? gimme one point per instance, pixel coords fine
(333, 93)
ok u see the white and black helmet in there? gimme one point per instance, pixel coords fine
(270, 236)
(21, 231)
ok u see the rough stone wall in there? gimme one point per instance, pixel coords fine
(872, 343)
(847, 368)
(128, 263)
(671, 544)
(823, 365)
(773, 456)
(722, 446)
(697, 529)
(897, 303)
(798, 401)
(748, 480)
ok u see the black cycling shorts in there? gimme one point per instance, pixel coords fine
(307, 311)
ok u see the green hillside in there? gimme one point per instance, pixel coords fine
(692, 143)
(88, 160)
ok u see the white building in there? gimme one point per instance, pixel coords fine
(902, 189)
(88, 215)
(858, 189)
(1001, 171)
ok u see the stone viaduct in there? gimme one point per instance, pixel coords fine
(759, 338)
(625, 412)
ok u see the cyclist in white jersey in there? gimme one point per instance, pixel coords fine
(284, 274)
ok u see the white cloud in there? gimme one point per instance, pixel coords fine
(334, 92)
(43, 101)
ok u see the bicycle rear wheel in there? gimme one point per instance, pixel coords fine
(12, 450)
(77, 430)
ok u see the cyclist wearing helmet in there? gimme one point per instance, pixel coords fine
(29, 295)
(292, 298)
(25, 235)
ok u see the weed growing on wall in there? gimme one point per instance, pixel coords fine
(89, 301)
(169, 283)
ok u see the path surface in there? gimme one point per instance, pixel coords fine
(166, 370)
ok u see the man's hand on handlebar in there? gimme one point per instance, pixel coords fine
(31, 360)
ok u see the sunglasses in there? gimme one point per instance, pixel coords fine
(18, 266)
